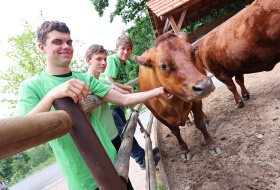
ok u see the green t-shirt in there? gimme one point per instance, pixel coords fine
(117, 71)
(68, 157)
(103, 114)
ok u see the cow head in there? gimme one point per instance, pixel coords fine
(173, 61)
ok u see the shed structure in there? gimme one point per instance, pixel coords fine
(172, 15)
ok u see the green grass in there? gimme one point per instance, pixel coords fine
(159, 180)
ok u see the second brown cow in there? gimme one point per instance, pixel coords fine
(247, 43)
(170, 63)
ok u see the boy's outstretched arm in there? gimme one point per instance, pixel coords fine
(122, 86)
(116, 97)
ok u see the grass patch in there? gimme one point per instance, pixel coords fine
(159, 180)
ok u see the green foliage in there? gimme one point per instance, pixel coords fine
(20, 164)
(100, 6)
(143, 38)
(29, 61)
(39, 154)
(209, 18)
(141, 33)
(6, 169)
(127, 9)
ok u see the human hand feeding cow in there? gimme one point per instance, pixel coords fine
(247, 43)
(171, 64)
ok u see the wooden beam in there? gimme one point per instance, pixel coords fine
(155, 20)
(90, 147)
(122, 160)
(166, 26)
(24, 132)
(174, 25)
(182, 18)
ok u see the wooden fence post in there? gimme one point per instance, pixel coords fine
(90, 147)
(151, 180)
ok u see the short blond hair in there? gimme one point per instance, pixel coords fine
(124, 40)
(93, 49)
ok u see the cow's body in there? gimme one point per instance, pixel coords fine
(247, 43)
(170, 64)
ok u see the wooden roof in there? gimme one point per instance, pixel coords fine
(166, 15)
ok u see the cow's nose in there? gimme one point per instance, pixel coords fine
(203, 88)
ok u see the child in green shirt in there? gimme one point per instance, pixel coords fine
(117, 72)
(96, 57)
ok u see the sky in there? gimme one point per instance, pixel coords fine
(79, 15)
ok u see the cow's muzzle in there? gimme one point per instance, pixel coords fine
(204, 88)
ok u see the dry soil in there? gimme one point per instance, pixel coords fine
(248, 137)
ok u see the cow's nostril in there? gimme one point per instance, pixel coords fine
(203, 88)
(197, 89)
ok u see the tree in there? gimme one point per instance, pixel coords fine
(39, 154)
(141, 33)
(143, 38)
(28, 61)
(19, 164)
(6, 169)
(127, 9)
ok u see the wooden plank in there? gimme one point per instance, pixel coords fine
(166, 26)
(90, 147)
(24, 132)
(155, 21)
(173, 24)
(165, 183)
(151, 181)
(182, 18)
(191, 37)
(122, 160)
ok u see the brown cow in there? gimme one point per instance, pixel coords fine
(247, 43)
(170, 64)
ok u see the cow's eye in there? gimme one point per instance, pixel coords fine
(163, 67)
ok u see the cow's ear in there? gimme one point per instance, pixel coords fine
(183, 35)
(140, 60)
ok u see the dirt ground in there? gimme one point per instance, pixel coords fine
(248, 138)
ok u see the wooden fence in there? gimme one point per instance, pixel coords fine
(24, 132)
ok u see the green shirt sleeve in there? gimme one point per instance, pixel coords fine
(96, 87)
(27, 99)
(111, 69)
(106, 82)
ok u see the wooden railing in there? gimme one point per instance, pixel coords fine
(24, 132)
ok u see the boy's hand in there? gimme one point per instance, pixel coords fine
(73, 88)
(131, 89)
(164, 93)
